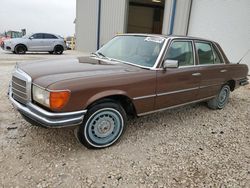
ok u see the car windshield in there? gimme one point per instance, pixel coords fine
(26, 36)
(131, 49)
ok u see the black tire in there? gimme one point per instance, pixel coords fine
(20, 49)
(51, 52)
(58, 49)
(221, 99)
(102, 126)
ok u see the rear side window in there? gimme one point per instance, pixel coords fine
(207, 54)
(49, 36)
(182, 51)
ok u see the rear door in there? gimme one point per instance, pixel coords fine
(212, 68)
(180, 85)
(49, 41)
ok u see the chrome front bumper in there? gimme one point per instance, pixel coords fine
(36, 115)
(47, 119)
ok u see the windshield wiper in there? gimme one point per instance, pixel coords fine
(101, 55)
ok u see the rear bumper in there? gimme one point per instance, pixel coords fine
(243, 82)
(35, 114)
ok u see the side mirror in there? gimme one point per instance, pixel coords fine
(31, 38)
(170, 64)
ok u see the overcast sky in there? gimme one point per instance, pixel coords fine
(53, 16)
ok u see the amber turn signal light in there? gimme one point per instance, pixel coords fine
(58, 99)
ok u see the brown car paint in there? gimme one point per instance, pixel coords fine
(91, 79)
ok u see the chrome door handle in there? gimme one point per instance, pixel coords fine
(223, 70)
(196, 74)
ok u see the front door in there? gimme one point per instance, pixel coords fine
(180, 85)
(36, 42)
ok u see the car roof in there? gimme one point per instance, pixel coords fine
(166, 36)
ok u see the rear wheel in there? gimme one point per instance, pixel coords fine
(20, 49)
(58, 49)
(103, 125)
(221, 99)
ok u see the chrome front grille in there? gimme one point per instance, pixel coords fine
(19, 90)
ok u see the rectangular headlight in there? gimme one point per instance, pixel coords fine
(55, 100)
(41, 96)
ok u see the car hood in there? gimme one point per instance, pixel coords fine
(45, 73)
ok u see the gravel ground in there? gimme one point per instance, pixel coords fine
(186, 147)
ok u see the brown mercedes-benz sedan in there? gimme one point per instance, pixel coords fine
(132, 75)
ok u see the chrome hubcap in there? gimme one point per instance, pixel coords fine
(105, 126)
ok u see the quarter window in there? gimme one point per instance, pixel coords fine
(207, 54)
(49, 36)
(217, 58)
(182, 51)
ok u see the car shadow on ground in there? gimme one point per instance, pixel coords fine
(64, 138)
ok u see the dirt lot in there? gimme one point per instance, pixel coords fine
(186, 147)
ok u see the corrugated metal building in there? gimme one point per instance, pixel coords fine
(225, 21)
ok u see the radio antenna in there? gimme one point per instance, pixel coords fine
(243, 56)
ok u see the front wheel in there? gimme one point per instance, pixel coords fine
(102, 126)
(221, 99)
(20, 49)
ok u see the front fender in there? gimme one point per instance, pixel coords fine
(105, 94)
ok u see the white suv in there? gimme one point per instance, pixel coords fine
(38, 42)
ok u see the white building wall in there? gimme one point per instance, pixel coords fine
(113, 18)
(224, 21)
(86, 25)
(181, 17)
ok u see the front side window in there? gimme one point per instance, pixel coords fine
(37, 36)
(182, 51)
(137, 50)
